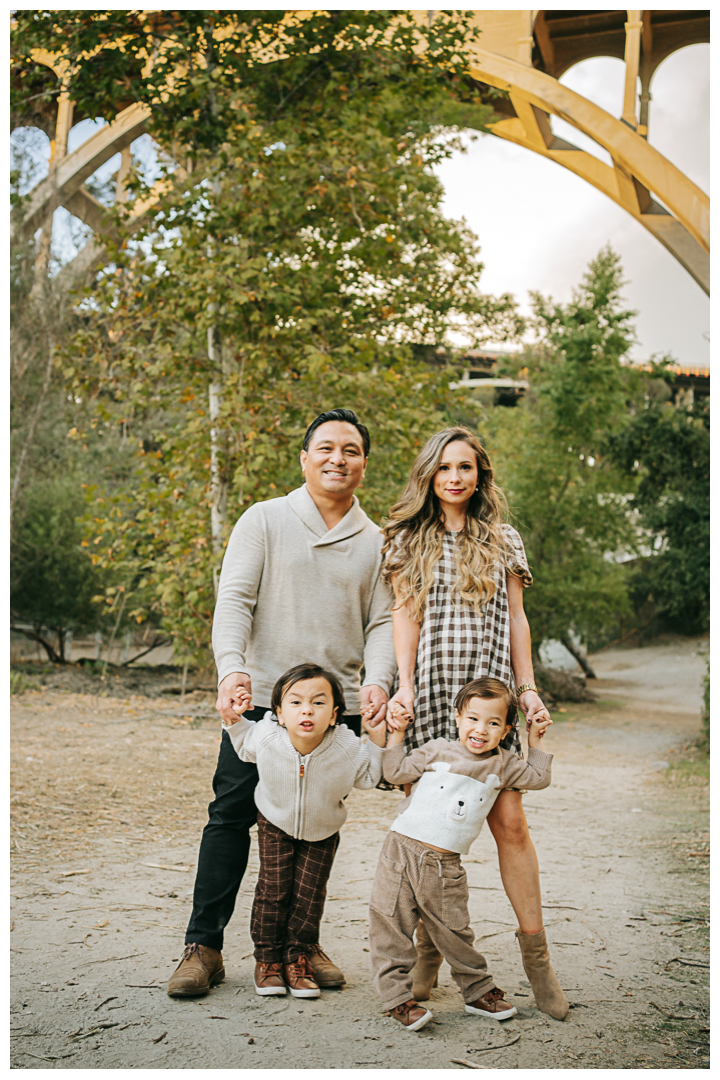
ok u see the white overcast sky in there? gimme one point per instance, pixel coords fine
(540, 225)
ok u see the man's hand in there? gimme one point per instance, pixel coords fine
(234, 696)
(373, 704)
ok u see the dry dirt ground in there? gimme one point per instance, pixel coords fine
(109, 801)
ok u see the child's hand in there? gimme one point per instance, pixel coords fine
(399, 719)
(243, 701)
(537, 730)
(375, 732)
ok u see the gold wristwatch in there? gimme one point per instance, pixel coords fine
(526, 686)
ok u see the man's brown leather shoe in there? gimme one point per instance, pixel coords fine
(300, 979)
(269, 979)
(411, 1015)
(198, 970)
(327, 974)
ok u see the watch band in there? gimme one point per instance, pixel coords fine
(526, 686)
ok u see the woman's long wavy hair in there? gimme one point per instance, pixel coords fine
(415, 529)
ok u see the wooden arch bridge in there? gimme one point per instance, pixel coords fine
(523, 53)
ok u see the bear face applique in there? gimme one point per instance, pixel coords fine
(447, 809)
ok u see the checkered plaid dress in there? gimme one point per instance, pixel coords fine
(457, 644)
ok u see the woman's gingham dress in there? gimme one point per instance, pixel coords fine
(457, 644)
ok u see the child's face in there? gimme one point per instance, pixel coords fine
(307, 711)
(482, 724)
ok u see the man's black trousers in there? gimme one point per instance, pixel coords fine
(225, 843)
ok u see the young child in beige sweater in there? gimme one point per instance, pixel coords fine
(308, 762)
(419, 874)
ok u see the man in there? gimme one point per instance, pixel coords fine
(300, 582)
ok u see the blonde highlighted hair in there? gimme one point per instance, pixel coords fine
(415, 530)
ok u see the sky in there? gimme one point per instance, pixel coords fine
(539, 225)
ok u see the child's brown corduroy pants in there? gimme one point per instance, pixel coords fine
(414, 882)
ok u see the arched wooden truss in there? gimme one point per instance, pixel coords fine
(525, 54)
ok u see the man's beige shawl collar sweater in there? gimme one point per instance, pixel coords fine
(293, 591)
(309, 802)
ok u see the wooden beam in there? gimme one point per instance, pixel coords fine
(633, 29)
(544, 42)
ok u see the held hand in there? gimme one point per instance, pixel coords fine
(402, 704)
(234, 696)
(375, 732)
(532, 707)
(399, 719)
(538, 727)
(373, 705)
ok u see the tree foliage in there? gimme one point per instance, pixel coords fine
(295, 269)
(565, 492)
(667, 450)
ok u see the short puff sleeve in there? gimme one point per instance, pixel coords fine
(515, 558)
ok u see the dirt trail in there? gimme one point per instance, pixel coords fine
(109, 801)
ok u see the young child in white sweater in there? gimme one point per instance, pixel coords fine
(308, 762)
(419, 874)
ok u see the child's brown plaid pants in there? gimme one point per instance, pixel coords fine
(290, 893)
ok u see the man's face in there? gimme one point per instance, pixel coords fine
(334, 463)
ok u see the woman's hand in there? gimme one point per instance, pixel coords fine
(537, 728)
(532, 708)
(401, 704)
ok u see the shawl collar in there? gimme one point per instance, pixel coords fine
(354, 521)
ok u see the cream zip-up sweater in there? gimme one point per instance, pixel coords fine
(304, 795)
(455, 789)
(293, 591)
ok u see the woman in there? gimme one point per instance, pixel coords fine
(458, 575)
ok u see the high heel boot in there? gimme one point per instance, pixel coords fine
(549, 995)
(425, 972)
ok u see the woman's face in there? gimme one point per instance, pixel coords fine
(455, 481)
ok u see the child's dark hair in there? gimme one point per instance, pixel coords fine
(300, 673)
(488, 687)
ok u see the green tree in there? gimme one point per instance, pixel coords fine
(52, 577)
(52, 581)
(667, 450)
(303, 256)
(566, 494)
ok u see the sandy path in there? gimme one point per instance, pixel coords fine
(103, 787)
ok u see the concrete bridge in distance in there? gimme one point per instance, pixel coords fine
(520, 52)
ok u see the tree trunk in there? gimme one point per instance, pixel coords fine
(35, 635)
(579, 655)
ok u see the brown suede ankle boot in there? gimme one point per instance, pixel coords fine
(425, 972)
(549, 995)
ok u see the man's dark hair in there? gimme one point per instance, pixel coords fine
(300, 673)
(345, 416)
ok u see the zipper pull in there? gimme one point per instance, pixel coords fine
(302, 769)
